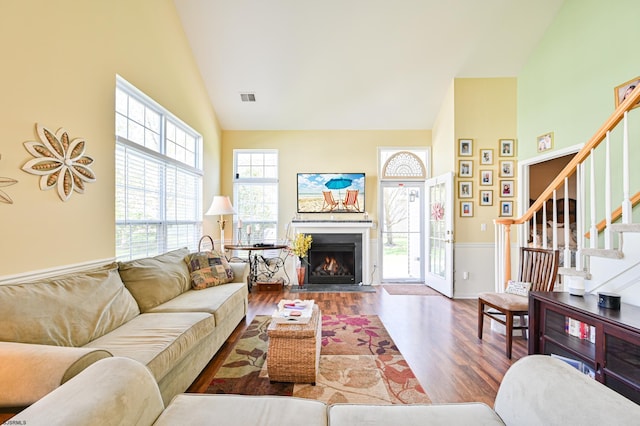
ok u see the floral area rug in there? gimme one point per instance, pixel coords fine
(359, 363)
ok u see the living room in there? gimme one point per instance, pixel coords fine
(61, 62)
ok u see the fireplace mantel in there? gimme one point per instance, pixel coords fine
(361, 227)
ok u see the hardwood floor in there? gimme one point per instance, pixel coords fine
(436, 335)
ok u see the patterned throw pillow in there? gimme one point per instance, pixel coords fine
(208, 269)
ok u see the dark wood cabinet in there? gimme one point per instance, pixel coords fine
(603, 342)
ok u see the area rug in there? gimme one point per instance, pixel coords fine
(410, 290)
(359, 363)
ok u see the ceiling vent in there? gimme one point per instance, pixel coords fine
(248, 97)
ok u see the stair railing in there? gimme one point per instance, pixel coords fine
(583, 160)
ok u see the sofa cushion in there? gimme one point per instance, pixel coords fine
(473, 413)
(219, 301)
(159, 341)
(154, 280)
(69, 310)
(208, 269)
(232, 410)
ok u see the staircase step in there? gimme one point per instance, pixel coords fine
(609, 254)
(573, 272)
(625, 227)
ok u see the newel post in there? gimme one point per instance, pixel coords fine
(507, 253)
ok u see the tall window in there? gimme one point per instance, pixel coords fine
(158, 178)
(255, 193)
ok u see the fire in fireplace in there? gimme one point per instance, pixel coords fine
(335, 259)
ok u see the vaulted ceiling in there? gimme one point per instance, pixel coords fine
(352, 64)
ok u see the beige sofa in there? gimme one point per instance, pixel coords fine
(537, 390)
(145, 310)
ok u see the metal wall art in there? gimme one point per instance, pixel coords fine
(5, 181)
(60, 162)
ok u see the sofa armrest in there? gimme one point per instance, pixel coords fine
(541, 390)
(28, 372)
(113, 391)
(240, 271)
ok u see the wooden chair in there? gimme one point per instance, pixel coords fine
(329, 202)
(538, 267)
(351, 199)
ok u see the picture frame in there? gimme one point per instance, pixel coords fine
(486, 156)
(486, 197)
(465, 147)
(545, 142)
(466, 208)
(465, 189)
(506, 208)
(621, 92)
(466, 168)
(506, 188)
(506, 168)
(486, 177)
(507, 147)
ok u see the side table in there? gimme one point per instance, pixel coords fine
(294, 350)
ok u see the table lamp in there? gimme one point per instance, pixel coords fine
(221, 205)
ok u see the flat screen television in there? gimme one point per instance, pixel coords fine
(331, 192)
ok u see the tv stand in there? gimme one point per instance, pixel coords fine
(604, 342)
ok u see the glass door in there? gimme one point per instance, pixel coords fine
(439, 241)
(401, 232)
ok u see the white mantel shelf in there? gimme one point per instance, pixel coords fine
(361, 227)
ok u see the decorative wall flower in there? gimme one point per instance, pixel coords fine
(60, 163)
(4, 181)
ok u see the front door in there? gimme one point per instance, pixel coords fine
(439, 233)
(402, 232)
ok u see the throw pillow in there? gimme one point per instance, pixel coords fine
(155, 280)
(208, 269)
(518, 287)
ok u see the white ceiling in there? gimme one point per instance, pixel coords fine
(353, 64)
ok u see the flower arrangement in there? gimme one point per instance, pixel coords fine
(301, 245)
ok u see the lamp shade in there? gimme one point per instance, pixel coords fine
(220, 205)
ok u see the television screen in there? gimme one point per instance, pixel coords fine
(331, 192)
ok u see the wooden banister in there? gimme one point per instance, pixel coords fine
(570, 168)
(615, 215)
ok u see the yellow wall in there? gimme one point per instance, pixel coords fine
(60, 59)
(319, 151)
(485, 111)
(443, 144)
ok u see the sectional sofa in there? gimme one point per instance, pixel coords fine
(536, 390)
(144, 310)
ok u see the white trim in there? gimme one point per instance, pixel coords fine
(52, 272)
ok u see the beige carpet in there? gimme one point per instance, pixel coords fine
(410, 290)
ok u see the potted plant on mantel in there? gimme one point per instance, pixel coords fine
(300, 247)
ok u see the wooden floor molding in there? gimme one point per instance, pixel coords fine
(436, 335)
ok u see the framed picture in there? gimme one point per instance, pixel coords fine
(466, 168)
(506, 188)
(545, 142)
(506, 208)
(465, 190)
(486, 177)
(465, 148)
(486, 197)
(507, 148)
(621, 92)
(486, 156)
(506, 168)
(466, 208)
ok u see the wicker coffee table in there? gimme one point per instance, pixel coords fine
(294, 350)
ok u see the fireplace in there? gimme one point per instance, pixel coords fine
(335, 259)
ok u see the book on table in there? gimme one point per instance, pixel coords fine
(293, 311)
